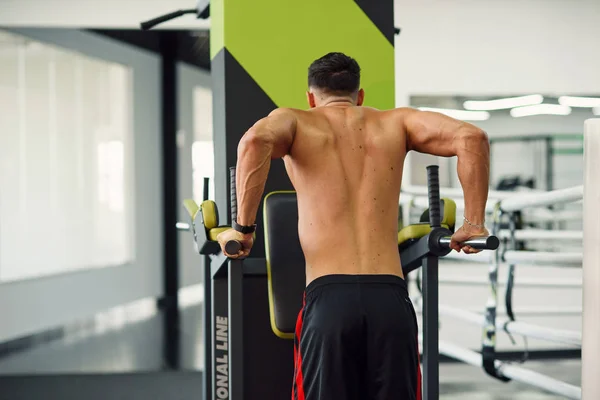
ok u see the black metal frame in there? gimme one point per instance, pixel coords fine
(426, 252)
(224, 314)
(170, 300)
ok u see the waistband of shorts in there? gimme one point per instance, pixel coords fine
(337, 279)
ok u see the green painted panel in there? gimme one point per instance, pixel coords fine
(217, 27)
(276, 40)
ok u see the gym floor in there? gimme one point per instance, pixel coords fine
(127, 363)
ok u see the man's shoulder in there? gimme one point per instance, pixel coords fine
(286, 111)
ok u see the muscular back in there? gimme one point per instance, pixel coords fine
(346, 165)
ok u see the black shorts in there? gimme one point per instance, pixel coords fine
(356, 339)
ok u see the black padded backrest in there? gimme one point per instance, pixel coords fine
(285, 261)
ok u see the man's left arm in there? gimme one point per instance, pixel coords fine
(269, 138)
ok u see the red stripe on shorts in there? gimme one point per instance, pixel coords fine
(418, 371)
(298, 390)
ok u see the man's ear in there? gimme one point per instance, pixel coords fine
(360, 98)
(310, 97)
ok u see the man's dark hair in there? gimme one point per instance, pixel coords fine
(336, 73)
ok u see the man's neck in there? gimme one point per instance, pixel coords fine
(337, 102)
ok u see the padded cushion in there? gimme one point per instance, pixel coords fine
(285, 261)
(214, 232)
(448, 210)
(415, 231)
(209, 214)
(449, 218)
(191, 207)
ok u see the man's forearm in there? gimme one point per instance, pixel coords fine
(254, 162)
(473, 152)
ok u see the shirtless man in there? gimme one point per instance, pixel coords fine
(356, 337)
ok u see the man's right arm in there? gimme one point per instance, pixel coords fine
(440, 135)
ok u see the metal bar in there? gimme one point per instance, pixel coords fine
(205, 189)
(510, 279)
(431, 374)
(483, 258)
(542, 199)
(423, 203)
(542, 257)
(545, 215)
(207, 317)
(236, 336)
(549, 161)
(458, 193)
(515, 373)
(170, 301)
(523, 282)
(528, 311)
(537, 137)
(591, 262)
(520, 328)
(542, 234)
(488, 321)
(480, 243)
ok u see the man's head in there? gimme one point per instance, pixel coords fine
(335, 77)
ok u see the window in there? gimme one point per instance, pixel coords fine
(203, 162)
(66, 163)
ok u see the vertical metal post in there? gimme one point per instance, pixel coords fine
(590, 350)
(205, 189)
(220, 363)
(170, 301)
(207, 331)
(207, 317)
(431, 350)
(235, 274)
(549, 161)
(236, 324)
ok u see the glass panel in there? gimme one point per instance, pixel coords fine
(203, 163)
(65, 135)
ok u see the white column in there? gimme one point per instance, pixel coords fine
(591, 262)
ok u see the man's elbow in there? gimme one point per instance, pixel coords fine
(253, 140)
(474, 139)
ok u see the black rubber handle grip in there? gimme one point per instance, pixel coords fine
(232, 194)
(164, 18)
(233, 246)
(205, 189)
(433, 191)
(478, 243)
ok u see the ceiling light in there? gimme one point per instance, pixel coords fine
(579, 101)
(502, 104)
(460, 114)
(540, 109)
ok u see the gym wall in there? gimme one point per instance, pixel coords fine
(124, 14)
(49, 300)
(494, 48)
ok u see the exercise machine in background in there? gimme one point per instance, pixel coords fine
(239, 351)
